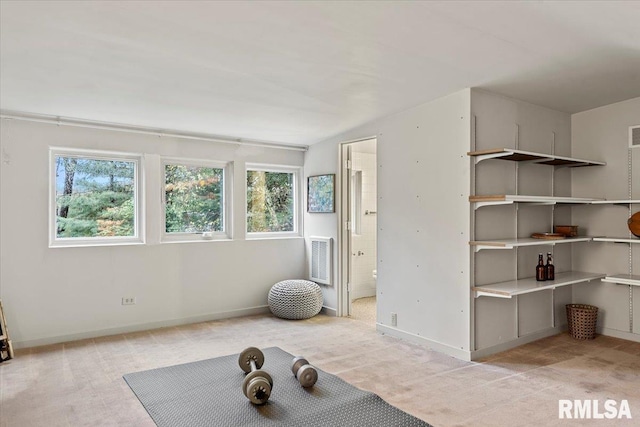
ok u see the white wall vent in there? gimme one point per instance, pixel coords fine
(634, 136)
(321, 256)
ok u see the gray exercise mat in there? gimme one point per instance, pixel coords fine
(208, 393)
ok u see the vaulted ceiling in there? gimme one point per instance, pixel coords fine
(300, 72)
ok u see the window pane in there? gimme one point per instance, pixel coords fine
(270, 201)
(94, 198)
(193, 199)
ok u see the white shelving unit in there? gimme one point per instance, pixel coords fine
(535, 198)
(512, 288)
(507, 199)
(625, 203)
(516, 155)
(514, 243)
(616, 202)
(623, 279)
(630, 240)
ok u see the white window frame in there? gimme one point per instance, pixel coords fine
(227, 191)
(138, 196)
(297, 201)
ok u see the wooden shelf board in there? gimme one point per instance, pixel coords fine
(623, 279)
(529, 156)
(512, 243)
(530, 284)
(617, 239)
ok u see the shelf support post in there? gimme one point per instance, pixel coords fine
(630, 191)
(553, 307)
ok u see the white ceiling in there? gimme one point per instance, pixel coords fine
(300, 72)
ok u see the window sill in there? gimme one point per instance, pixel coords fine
(196, 240)
(87, 244)
(216, 236)
(280, 237)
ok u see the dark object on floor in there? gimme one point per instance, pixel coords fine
(6, 348)
(304, 372)
(257, 384)
(205, 393)
(582, 320)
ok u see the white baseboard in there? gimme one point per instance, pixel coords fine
(478, 354)
(442, 348)
(142, 327)
(364, 292)
(619, 334)
(488, 351)
(329, 311)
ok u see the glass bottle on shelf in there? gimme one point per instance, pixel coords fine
(550, 270)
(541, 274)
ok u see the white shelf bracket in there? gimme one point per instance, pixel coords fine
(478, 294)
(478, 248)
(482, 157)
(478, 205)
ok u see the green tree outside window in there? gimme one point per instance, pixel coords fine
(270, 201)
(94, 197)
(193, 199)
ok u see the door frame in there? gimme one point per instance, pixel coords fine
(344, 233)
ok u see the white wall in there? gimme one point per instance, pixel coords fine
(423, 217)
(602, 134)
(423, 220)
(323, 159)
(58, 294)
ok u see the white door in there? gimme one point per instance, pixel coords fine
(348, 211)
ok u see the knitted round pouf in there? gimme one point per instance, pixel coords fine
(295, 299)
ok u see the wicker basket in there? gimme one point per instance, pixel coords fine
(582, 319)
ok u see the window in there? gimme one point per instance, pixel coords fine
(194, 200)
(95, 198)
(272, 205)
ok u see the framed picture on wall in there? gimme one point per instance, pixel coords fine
(321, 193)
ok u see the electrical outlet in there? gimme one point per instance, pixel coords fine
(394, 319)
(128, 300)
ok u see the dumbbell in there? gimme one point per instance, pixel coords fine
(304, 372)
(257, 385)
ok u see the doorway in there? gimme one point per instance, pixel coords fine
(359, 242)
